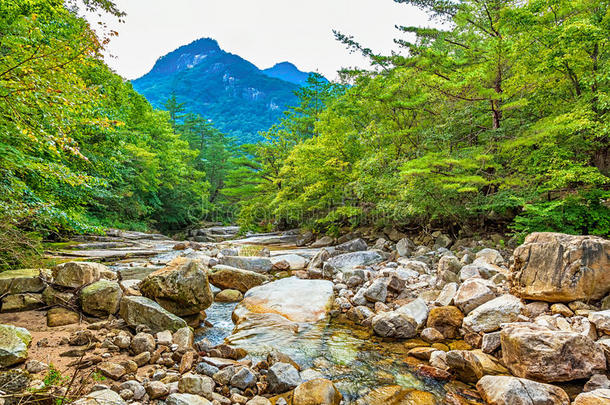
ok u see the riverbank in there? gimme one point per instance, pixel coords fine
(395, 322)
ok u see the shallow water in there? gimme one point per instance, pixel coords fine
(351, 356)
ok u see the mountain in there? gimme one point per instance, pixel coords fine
(288, 72)
(238, 97)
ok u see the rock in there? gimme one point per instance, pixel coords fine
(324, 241)
(473, 293)
(447, 320)
(206, 369)
(490, 256)
(77, 274)
(377, 291)
(61, 316)
(35, 366)
(156, 389)
(317, 392)
(184, 338)
(505, 390)
(135, 387)
(196, 384)
(186, 399)
(21, 302)
(561, 309)
(536, 308)
(20, 281)
(601, 320)
(251, 263)
(471, 365)
(295, 262)
(354, 245)
(142, 342)
(111, 370)
(489, 316)
(282, 377)
(346, 262)
(490, 342)
(226, 277)
(295, 299)
(442, 241)
(14, 343)
(432, 335)
(258, 400)
(51, 296)
(555, 267)
(597, 381)
(101, 298)
(447, 294)
(101, 397)
(404, 322)
(536, 352)
(405, 247)
(243, 378)
(142, 358)
(229, 296)
(597, 397)
(181, 287)
(143, 311)
(397, 395)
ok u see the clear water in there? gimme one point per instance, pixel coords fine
(351, 356)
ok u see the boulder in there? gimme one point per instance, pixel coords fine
(101, 298)
(405, 322)
(181, 287)
(601, 320)
(599, 396)
(471, 365)
(447, 294)
(555, 267)
(405, 247)
(295, 262)
(111, 370)
(346, 262)
(377, 291)
(14, 343)
(447, 320)
(226, 277)
(52, 296)
(196, 384)
(143, 311)
(61, 316)
(186, 399)
(22, 302)
(21, 281)
(472, 293)
(101, 397)
(294, 299)
(282, 377)
(489, 316)
(354, 245)
(536, 352)
(229, 296)
(243, 378)
(318, 391)
(251, 263)
(505, 390)
(324, 241)
(77, 274)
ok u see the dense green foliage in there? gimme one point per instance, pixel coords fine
(500, 120)
(79, 148)
(239, 98)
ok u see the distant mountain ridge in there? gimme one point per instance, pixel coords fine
(288, 72)
(237, 96)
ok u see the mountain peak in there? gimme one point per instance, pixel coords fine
(186, 56)
(288, 72)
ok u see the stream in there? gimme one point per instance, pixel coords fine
(359, 363)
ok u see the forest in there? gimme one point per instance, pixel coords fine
(498, 121)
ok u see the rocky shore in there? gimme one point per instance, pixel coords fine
(486, 324)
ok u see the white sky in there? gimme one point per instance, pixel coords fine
(262, 31)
